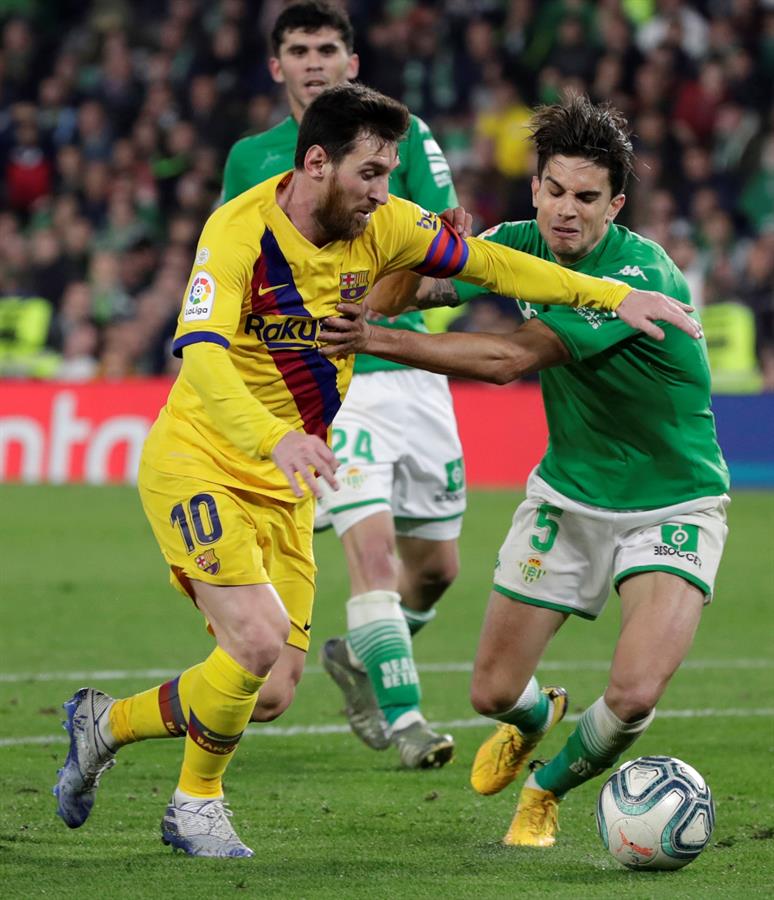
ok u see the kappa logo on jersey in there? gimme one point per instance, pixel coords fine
(532, 570)
(208, 562)
(283, 332)
(201, 298)
(632, 272)
(352, 285)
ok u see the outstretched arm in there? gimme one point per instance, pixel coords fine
(495, 358)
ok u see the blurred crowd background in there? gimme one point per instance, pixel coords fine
(116, 118)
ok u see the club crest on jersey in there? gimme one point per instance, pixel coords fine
(532, 570)
(352, 285)
(201, 297)
(208, 562)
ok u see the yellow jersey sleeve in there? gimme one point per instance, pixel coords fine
(517, 274)
(239, 416)
(219, 281)
(423, 242)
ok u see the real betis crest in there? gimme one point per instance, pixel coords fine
(532, 569)
(352, 285)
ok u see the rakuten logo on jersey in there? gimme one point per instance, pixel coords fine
(284, 332)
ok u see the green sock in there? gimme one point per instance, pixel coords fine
(379, 637)
(417, 620)
(593, 746)
(530, 712)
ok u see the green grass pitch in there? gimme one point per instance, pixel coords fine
(84, 591)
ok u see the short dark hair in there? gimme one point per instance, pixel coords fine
(336, 118)
(311, 16)
(578, 127)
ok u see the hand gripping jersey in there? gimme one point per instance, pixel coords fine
(629, 419)
(260, 290)
(422, 175)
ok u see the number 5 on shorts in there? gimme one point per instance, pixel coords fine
(543, 520)
(206, 532)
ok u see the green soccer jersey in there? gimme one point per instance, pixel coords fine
(629, 419)
(421, 176)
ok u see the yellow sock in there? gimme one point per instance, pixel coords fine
(223, 695)
(159, 712)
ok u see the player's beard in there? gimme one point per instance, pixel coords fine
(335, 218)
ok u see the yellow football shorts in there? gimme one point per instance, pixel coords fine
(209, 532)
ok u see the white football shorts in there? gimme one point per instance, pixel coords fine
(396, 437)
(564, 555)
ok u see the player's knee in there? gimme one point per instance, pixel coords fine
(273, 702)
(259, 643)
(630, 702)
(439, 574)
(492, 699)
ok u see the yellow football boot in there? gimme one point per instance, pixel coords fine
(536, 821)
(502, 756)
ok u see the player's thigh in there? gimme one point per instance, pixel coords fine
(429, 495)
(660, 613)
(224, 537)
(513, 638)
(206, 532)
(249, 621)
(665, 572)
(556, 557)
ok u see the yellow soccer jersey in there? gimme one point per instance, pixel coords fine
(260, 290)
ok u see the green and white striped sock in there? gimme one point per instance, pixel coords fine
(598, 740)
(530, 712)
(379, 637)
(417, 620)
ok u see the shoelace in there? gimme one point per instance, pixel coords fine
(219, 813)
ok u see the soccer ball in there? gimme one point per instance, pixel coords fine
(655, 812)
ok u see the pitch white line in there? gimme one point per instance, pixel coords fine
(445, 667)
(274, 731)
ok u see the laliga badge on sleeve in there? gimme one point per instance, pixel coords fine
(201, 297)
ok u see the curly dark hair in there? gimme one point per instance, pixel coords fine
(311, 16)
(336, 118)
(578, 127)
